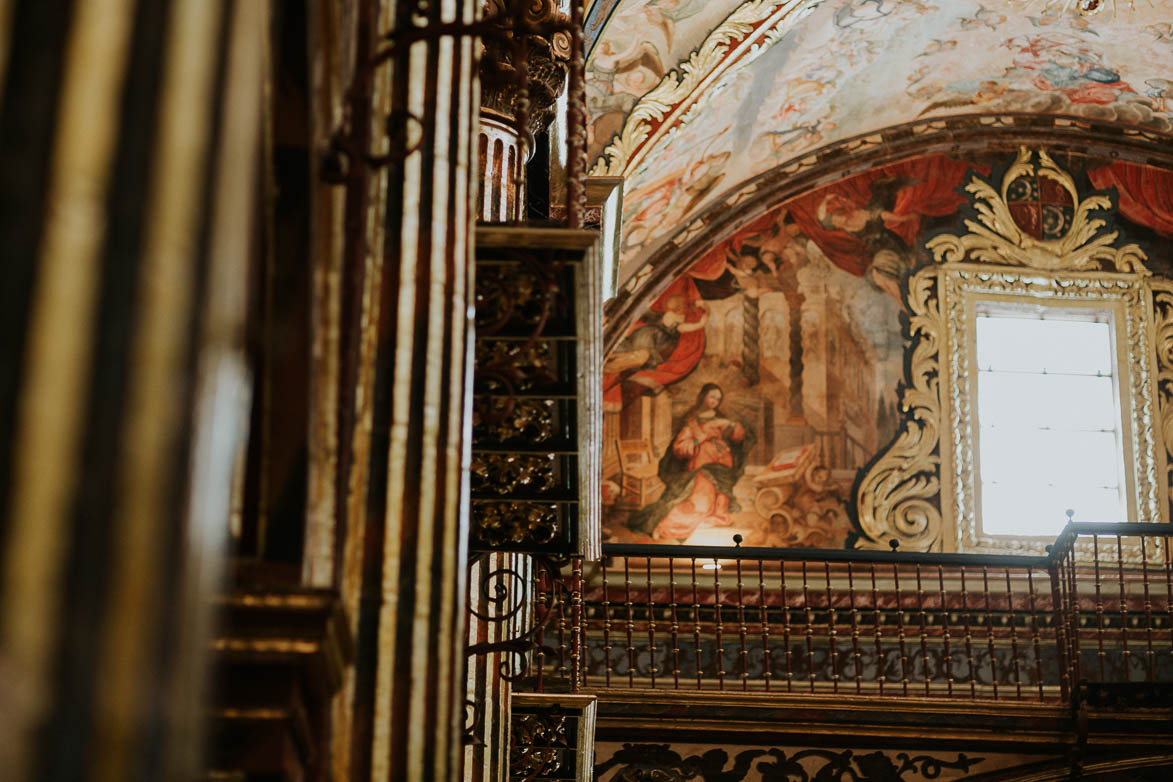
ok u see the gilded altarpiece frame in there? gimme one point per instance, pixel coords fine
(921, 492)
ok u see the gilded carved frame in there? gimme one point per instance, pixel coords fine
(920, 491)
(1124, 296)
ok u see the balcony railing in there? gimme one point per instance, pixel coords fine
(1099, 607)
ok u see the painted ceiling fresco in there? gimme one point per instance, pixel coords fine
(643, 41)
(689, 98)
(753, 391)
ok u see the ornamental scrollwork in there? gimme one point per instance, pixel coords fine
(998, 237)
(507, 473)
(538, 744)
(660, 763)
(511, 293)
(1034, 238)
(501, 597)
(1163, 339)
(510, 524)
(496, 421)
(897, 498)
(516, 365)
(963, 284)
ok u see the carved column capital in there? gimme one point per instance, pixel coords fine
(546, 49)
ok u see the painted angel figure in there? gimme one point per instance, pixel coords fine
(892, 257)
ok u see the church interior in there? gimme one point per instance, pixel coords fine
(568, 390)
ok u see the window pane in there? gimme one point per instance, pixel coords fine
(1049, 423)
(1022, 509)
(1019, 344)
(1046, 401)
(1049, 456)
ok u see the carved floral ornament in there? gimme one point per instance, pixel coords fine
(1033, 238)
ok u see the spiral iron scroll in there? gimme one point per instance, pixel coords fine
(505, 593)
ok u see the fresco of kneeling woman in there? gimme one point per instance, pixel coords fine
(702, 464)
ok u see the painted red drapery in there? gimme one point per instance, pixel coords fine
(1146, 194)
(931, 193)
(686, 354)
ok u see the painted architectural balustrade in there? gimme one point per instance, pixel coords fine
(852, 623)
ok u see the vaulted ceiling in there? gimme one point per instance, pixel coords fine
(691, 99)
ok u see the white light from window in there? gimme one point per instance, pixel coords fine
(1049, 417)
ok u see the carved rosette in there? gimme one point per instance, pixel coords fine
(1064, 254)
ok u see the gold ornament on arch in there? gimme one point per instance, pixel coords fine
(918, 492)
(997, 237)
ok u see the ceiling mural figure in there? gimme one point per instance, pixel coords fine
(720, 115)
(755, 390)
(642, 43)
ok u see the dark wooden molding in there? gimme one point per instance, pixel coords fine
(280, 656)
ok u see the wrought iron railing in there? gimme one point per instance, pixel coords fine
(1099, 607)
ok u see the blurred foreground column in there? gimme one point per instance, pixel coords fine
(128, 139)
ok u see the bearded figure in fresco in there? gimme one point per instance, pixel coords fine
(701, 466)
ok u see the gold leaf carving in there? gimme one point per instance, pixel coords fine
(517, 523)
(960, 284)
(506, 473)
(897, 497)
(900, 496)
(1163, 337)
(500, 419)
(996, 238)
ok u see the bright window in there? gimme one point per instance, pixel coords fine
(1049, 420)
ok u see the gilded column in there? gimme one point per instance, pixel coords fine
(523, 71)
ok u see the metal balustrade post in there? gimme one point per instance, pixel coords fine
(1034, 634)
(1059, 620)
(763, 604)
(652, 670)
(1150, 657)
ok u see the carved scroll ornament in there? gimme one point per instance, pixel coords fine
(996, 236)
(1163, 339)
(897, 497)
